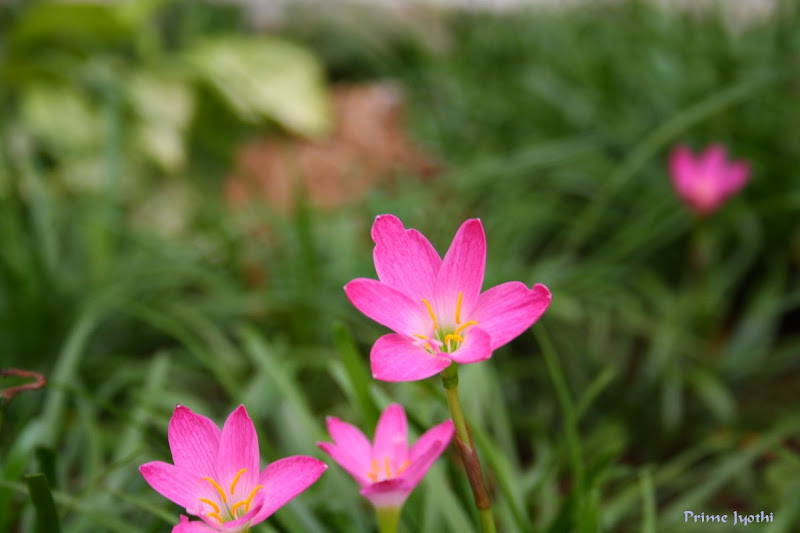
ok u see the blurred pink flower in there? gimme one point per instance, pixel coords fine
(387, 470)
(435, 306)
(706, 181)
(216, 475)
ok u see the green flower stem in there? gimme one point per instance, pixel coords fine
(388, 519)
(467, 451)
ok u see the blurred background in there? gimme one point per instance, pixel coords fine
(186, 186)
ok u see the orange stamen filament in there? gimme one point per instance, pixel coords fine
(463, 326)
(219, 489)
(246, 503)
(451, 337)
(430, 312)
(215, 515)
(372, 474)
(387, 470)
(212, 504)
(402, 468)
(236, 479)
(448, 342)
(252, 495)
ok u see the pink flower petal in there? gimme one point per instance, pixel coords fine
(351, 450)
(427, 449)
(404, 259)
(682, 170)
(391, 493)
(442, 433)
(284, 479)
(185, 526)
(391, 437)
(194, 441)
(462, 271)
(397, 358)
(238, 449)
(711, 162)
(477, 346)
(388, 307)
(508, 309)
(176, 484)
(737, 175)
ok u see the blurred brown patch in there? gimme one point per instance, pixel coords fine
(368, 146)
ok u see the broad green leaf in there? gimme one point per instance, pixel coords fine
(164, 107)
(266, 78)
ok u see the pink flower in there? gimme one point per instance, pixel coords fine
(216, 475)
(387, 469)
(435, 306)
(705, 182)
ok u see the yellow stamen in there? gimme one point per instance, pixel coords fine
(373, 473)
(402, 468)
(417, 335)
(465, 325)
(458, 308)
(212, 504)
(215, 515)
(453, 337)
(219, 489)
(235, 507)
(252, 495)
(236, 479)
(386, 468)
(430, 312)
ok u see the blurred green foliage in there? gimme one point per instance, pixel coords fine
(676, 340)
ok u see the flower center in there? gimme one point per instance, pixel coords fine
(446, 337)
(377, 474)
(224, 509)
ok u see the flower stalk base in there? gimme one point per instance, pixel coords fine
(388, 519)
(467, 451)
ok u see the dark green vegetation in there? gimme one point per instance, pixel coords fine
(676, 340)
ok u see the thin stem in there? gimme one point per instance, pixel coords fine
(467, 451)
(388, 519)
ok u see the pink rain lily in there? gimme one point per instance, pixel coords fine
(435, 306)
(706, 181)
(216, 475)
(387, 470)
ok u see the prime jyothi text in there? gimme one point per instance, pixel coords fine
(736, 519)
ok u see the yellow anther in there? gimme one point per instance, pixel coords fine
(240, 504)
(212, 504)
(252, 495)
(386, 468)
(430, 312)
(423, 337)
(215, 515)
(458, 307)
(402, 468)
(465, 325)
(373, 473)
(453, 337)
(219, 489)
(236, 479)
(428, 347)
